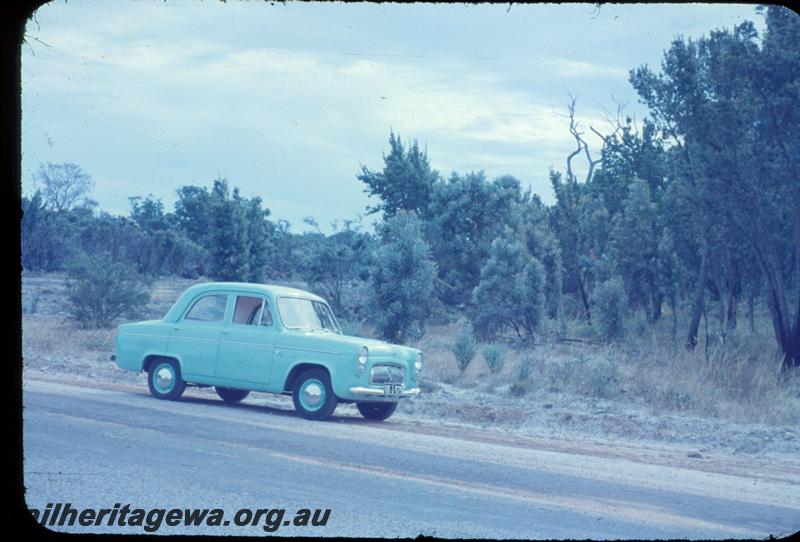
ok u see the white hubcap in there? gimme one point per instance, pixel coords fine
(312, 394)
(164, 377)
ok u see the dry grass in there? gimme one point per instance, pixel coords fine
(54, 336)
(739, 380)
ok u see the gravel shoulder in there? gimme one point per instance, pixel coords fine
(444, 481)
(444, 420)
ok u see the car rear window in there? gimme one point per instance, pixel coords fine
(210, 308)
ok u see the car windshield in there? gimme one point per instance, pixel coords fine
(300, 313)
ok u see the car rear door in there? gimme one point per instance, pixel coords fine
(194, 339)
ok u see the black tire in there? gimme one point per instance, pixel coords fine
(376, 410)
(231, 395)
(314, 384)
(164, 379)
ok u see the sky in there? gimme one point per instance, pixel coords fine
(288, 101)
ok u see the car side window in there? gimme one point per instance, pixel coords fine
(210, 308)
(266, 315)
(247, 310)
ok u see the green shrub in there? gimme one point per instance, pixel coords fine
(100, 290)
(609, 303)
(465, 347)
(518, 389)
(401, 280)
(522, 384)
(510, 293)
(494, 355)
(525, 368)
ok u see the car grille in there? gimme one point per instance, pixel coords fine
(387, 374)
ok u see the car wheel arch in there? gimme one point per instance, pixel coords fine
(155, 358)
(298, 369)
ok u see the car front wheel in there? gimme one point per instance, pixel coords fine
(376, 410)
(231, 395)
(313, 395)
(164, 380)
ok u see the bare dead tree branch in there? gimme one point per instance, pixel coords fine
(582, 146)
(592, 163)
(615, 123)
(573, 129)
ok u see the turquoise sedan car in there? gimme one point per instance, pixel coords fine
(255, 337)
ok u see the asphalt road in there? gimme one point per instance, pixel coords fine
(97, 447)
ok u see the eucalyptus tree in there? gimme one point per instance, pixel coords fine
(465, 213)
(42, 240)
(64, 186)
(235, 232)
(404, 184)
(401, 279)
(542, 243)
(510, 294)
(635, 250)
(228, 236)
(330, 263)
(259, 235)
(163, 248)
(731, 105)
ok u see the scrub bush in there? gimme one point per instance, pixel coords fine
(609, 305)
(494, 355)
(465, 347)
(101, 290)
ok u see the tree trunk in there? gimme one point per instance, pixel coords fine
(674, 305)
(733, 301)
(705, 325)
(699, 304)
(792, 356)
(791, 359)
(657, 304)
(787, 333)
(584, 298)
(734, 292)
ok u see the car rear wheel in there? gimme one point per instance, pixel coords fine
(231, 395)
(164, 380)
(376, 410)
(313, 395)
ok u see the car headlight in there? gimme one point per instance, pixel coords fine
(418, 365)
(363, 356)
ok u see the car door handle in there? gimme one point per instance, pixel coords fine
(225, 332)
(278, 353)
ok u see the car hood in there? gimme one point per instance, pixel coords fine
(347, 344)
(380, 348)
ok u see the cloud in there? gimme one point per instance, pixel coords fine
(282, 101)
(569, 68)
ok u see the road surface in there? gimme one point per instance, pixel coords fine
(97, 446)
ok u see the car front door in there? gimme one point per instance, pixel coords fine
(194, 339)
(246, 347)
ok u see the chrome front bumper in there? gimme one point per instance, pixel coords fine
(362, 390)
